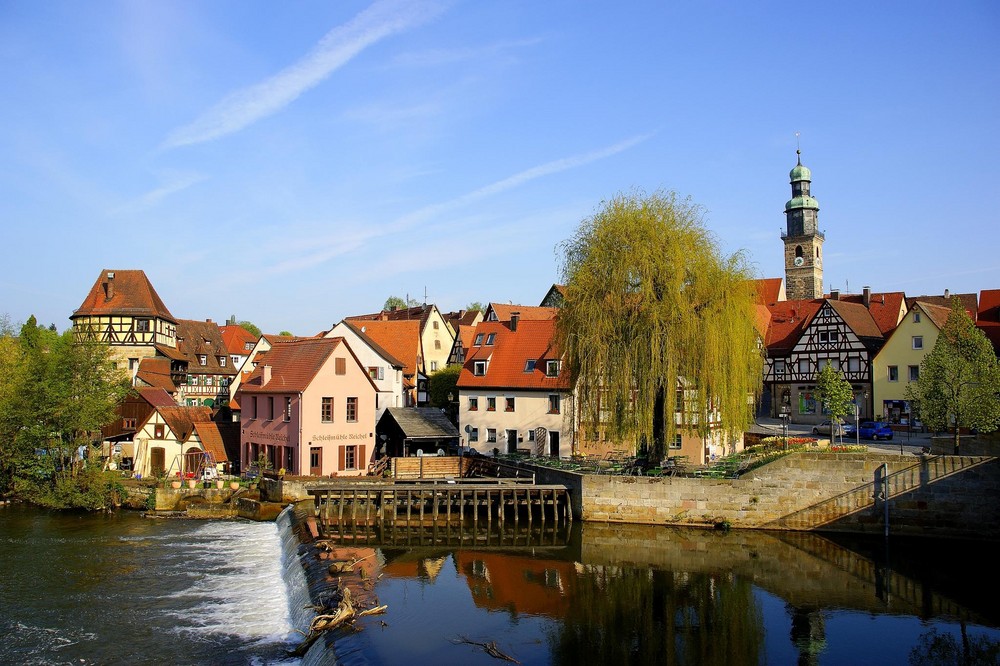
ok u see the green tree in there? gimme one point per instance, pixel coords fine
(442, 383)
(651, 301)
(959, 378)
(250, 327)
(475, 305)
(837, 396)
(400, 303)
(286, 334)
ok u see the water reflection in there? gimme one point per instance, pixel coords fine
(649, 595)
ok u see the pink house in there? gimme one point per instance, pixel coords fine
(309, 408)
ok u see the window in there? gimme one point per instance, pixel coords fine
(779, 366)
(222, 361)
(479, 340)
(491, 435)
(490, 337)
(854, 364)
(133, 363)
(473, 404)
(434, 366)
(210, 380)
(508, 404)
(554, 403)
(247, 346)
(552, 368)
(326, 412)
(916, 317)
(918, 342)
(834, 336)
(893, 373)
(288, 409)
(804, 367)
(352, 410)
(676, 443)
(473, 434)
(376, 372)
(824, 336)
(914, 373)
(340, 364)
(435, 325)
(253, 402)
(202, 359)
(529, 365)
(437, 344)
(192, 380)
(270, 408)
(142, 325)
(479, 368)
(491, 404)
(350, 457)
(128, 424)
(158, 431)
(678, 400)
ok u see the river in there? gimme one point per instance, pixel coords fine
(121, 589)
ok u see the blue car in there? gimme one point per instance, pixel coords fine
(874, 430)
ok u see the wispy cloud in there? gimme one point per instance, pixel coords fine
(436, 57)
(245, 107)
(326, 249)
(175, 183)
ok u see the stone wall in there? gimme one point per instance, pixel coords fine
(928, 495)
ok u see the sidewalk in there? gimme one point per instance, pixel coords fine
(910, 442)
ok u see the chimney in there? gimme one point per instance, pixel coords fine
(834, 294)
(266, 375)
(109, 286)
(866, 296)
(208, 321)
(514, 317)
(947, 294)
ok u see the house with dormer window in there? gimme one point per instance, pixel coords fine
(514, 394)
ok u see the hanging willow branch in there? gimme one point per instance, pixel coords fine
(652, 307)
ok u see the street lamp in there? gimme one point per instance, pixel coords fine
(785, 414)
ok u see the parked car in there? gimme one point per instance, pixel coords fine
(827, 428)
(850, 430)
(875, 430)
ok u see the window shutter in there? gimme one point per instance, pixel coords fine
(341, 366)
(341, 457)
(362, 461)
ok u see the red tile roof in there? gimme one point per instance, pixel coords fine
(155, 372)
(293, 365)
(128, 292)
(509, 354)
(989, 305)
(203, 338)
(969, 301)
(886, 308)
(768, 290)
(156, 397)
(182, 419)
(788, 321)
(418, 313)
(356, 326)
(858, 318)
(938, 314)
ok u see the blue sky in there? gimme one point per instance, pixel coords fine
(294, 163)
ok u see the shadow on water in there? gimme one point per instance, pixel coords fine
(598, 593)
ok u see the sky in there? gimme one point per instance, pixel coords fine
(295, 163)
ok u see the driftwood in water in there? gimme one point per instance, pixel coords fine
(490, 649)
(328, 619)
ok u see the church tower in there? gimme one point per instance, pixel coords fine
(803, 239)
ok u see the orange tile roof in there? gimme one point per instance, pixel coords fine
(970, 301)
(507, 357)
(938, 313)
(211, 440)
(131, 294)
(418, 313)
(503, 311)
(858, 318)
(768, 290)
(356, 326)
(293, 365)
(156, 397)
(400, 338)
(235, 339)
(203, 338)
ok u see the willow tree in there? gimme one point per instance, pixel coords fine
(653, 307)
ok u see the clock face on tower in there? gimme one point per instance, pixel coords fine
(799, 261)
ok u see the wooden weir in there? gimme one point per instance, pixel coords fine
(425, 503)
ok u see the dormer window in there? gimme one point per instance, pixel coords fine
(552, 368)
(490, 338)
(222, 361)
(529, 365)
(247, 346)
(479, 368)
(479, 340)
(202, 359)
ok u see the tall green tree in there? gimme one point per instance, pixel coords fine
(250, 327)
(837, 396)
(440, 385)
(475, 305)
(652, 301)
(959, 379)
(399, 303)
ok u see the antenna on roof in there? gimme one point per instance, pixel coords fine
(798, 149)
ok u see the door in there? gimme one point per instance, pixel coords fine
(511, 441)
(553, 444)
(315, 461)
(157, 460)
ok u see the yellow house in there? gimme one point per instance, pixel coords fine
(898, 363)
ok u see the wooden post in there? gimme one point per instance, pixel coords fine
(409, 507)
